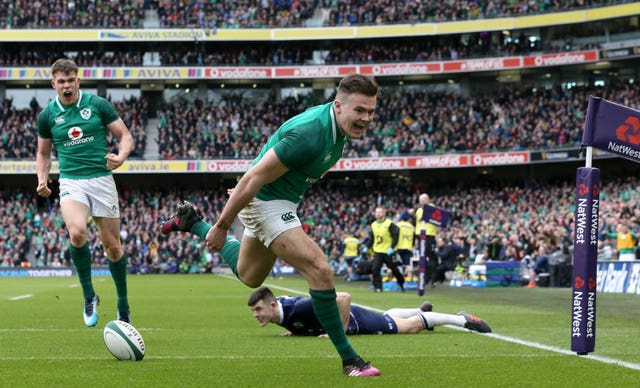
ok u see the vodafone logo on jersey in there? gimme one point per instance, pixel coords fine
(76, 136)
(75, 133)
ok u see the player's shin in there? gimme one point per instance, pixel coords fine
(230, 252)
(326, 309)
(81, 258)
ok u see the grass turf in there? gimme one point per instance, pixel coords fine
(199, 332)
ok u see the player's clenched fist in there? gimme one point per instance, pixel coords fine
(43, 190)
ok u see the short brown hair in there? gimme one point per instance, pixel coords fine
(64, 65)
(358, 83)
(262, 293)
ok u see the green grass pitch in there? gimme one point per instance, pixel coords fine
(199, 332)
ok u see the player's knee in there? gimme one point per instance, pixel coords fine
(343, 297)
(78, 237)
(114, 253)
(252, 283)
(319, 269)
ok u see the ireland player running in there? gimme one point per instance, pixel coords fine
(265, 199)
(77, 124)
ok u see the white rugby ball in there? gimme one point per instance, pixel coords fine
(123, 341)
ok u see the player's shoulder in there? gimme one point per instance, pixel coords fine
(93, 99)
(310, 119)
(50, 110)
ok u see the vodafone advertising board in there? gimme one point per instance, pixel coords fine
(432, 161)
(395, 69)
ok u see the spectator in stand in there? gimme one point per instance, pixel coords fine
(540, 265)
(626, 241)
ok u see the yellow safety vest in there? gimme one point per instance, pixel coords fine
(625, 241)
(430, 229)
(350, 246)
(405, 239)
(381, 236)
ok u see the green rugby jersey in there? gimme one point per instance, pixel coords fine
(309, 144)
(79, 133)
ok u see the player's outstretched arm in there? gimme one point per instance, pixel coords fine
(43, 166)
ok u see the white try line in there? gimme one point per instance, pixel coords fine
(25, 296)
(518, 341)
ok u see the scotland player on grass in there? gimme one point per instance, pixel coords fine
(297, 316)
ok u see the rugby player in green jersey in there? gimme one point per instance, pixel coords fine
(77, 124)
(265, 199)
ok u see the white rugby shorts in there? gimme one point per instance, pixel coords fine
(266, 220)
(98, 194)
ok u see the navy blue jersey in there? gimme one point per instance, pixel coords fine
(299, 318)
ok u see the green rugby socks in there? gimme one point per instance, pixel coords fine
(326, 309)
(229, 251)
(119, 274)
(81, 258)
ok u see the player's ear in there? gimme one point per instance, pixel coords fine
(337, 105)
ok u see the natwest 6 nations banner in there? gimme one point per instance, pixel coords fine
(613, 128)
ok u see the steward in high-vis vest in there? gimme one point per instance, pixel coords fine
(404, 248)
(350, 252)
(383, 237)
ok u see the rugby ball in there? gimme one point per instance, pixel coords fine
(123, 341)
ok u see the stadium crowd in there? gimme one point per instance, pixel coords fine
(264, 13)
(511, 221)
(449, 47)
(408, 121)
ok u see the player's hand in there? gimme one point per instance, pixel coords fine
(216, 238)
(365, 249)
(113, 161)
(390, 252)
(43, 190)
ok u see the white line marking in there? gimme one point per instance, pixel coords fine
(518, 341)
(54, 329)
(21, 297)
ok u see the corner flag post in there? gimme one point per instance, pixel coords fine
(583, 295)
(615, 129)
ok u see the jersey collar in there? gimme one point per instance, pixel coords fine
(281, 312)
(334, 124)
(77, 103)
